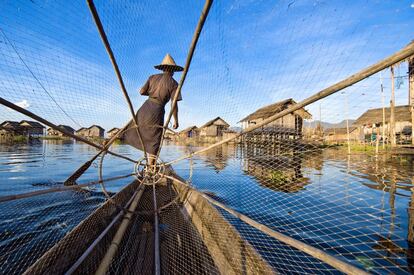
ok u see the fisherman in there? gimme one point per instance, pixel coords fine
(159, 88)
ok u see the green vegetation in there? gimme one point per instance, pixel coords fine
(53, 138)
(277, 176)
(364, 148)
(325, 145)
(366, 262)
(98, 140)
(118, 142)
(19, 139)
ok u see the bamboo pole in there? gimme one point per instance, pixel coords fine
(301, 246)
(392, 109)
(57, 189)
(157, 264)
(89, 250)
(55, 127)
(105, 41)
(351, 80)
(411, 93)
(196, 36)
(116, 241)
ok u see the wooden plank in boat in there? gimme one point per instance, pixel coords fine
(231, 253)
(63, 254)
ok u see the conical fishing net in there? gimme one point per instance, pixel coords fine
(293, 152)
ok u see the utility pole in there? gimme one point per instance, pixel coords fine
(411, 93)
(392, 107)
(320, 122)
(383, 112)
(347, 123)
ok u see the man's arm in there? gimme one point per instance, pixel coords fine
(175, 115)
(144, 89)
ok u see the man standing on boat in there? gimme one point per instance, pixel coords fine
(160, 88)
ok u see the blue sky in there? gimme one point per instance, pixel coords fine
(250, 54)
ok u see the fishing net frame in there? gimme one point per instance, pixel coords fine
(130, 208)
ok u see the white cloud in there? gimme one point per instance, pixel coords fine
(23, 104)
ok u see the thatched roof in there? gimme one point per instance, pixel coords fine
(33, 124)
(66, 127)
(188, 129)
(81, 129)
(214, 120)
(97, 126)
(374, 116)
(10, 124)
(339, 131)
(275, 108)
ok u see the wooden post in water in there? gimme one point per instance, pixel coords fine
(377, 141)
(392, 109)
(383, 112)
(347, 124)
(411, 93)
(410, 236)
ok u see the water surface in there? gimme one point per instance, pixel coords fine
(356, 207)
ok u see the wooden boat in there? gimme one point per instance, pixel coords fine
(193, 238)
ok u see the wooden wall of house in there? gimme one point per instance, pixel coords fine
(290, 121)
(95, 132)
(33, 131)
(52, 132)
(113, 133)
(210, 131)
(227, 135)
(399, 126)
(6, 136)
(213, 130)
(83, 133)
(354, 136)
(189, 134)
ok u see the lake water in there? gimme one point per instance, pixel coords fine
(356, 207)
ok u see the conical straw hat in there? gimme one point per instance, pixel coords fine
(168, 63)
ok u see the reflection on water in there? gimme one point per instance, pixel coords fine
(217, 158)
(354, 206)
(359, 207)
(277, 173)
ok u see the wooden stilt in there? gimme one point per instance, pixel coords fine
(392, 109)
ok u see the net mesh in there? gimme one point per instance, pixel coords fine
(335, 175)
